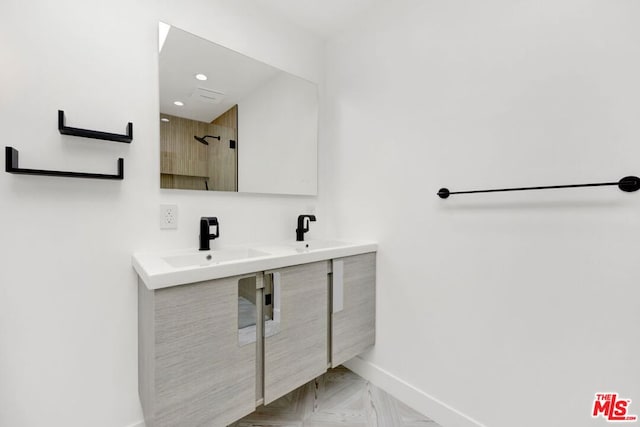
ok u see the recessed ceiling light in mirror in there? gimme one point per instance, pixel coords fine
(201, 77)
(164, 119)
(178, 103)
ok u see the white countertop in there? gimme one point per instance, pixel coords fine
(164, 269)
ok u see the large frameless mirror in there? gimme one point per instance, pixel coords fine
(231, 123)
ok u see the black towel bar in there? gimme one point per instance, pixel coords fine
(11, 166)
(65, 130)
(628, 184)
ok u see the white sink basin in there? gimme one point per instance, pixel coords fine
(308, 246)
(161, 270)
(205, 258)
(316, 245)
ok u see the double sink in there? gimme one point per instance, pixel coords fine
(161, 270)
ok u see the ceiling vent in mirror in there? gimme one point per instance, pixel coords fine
(208, 95)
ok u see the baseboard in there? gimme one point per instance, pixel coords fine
(422, 402)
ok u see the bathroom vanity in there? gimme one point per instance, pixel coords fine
(221, 332)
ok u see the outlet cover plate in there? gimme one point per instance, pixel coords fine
(168, 217)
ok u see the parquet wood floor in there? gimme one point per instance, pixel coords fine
(339, 398)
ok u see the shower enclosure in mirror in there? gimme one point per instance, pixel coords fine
(231, 123)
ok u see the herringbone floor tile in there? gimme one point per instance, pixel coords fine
(339, 398)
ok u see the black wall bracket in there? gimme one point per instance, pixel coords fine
(627, 184)
(11, 166)
(86, 133)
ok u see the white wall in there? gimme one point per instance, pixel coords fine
(68, 305)
(278, 137)
(511, 308)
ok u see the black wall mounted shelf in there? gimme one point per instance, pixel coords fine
(628, 184)
(86, 133)
(12, 167)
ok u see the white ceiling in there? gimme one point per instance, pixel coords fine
(321, 17)
(185, 55)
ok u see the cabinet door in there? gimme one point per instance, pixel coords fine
(203, 376)
(354, 306)
(296, 340)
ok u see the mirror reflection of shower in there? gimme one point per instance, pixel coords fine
(203, 165)
(202, 139)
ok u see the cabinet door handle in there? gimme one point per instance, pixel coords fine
(276, 297)
(272, 326)
(337, 284)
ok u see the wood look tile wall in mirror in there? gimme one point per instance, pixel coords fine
(231, 123)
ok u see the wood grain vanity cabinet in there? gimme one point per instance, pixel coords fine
(192, 370)
(353, 314)
(201, 363)
(295, 345)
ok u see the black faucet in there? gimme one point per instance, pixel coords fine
(205, 234)
(301, 228)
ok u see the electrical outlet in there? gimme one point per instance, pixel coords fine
(168, 217)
